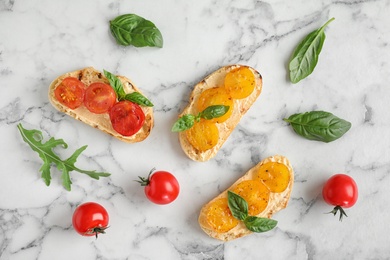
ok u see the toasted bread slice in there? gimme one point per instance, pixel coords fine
(241, 106)
(101, 121)
(277, 201)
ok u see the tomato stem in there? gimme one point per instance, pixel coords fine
(339, 209)
(97, 231)
(145, 181)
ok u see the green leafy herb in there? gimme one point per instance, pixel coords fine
(318, 125)
(134, 97)
(183, 123)
(214, 112)
(256, 224)
(116, 84)
(131, 29)
(239, 208)
(187, 121)
(305, 56)
(138, 98)
(45, 150)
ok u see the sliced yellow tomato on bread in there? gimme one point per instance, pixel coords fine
(203, 135)
(260, 195)
(255, 193)
(216, 96)
(219, 217)
(240, 82)
(244, 82)
(276, 176)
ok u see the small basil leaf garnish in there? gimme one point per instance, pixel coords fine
(134, 97)
(183, 123)
(214, 112)
(305, 56)
(238, 206)
(256, 224)
(138, 98)
(239, 209)
(116, 84)
(318, 125)
(131, 29)
(187, 121)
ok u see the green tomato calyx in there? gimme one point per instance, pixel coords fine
(96, 231)
(145, 181)
(338, 209)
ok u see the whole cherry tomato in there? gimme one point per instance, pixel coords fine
(127, 117)
(70, 92)
(90, 219)
(99, 98)
(161, 187)
(341, 191)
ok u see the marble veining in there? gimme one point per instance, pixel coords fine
(40, 40)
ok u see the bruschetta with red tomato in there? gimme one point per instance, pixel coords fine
(104, 101)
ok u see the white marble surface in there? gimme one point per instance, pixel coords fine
(40, 40)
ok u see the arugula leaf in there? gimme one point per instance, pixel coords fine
(134, 97)
(305, 56)
(318, 125)
(131, 29)
(187, 121)
(239, 209)
(45, 151)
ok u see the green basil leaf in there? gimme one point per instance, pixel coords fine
(183, 123)
(116, 84)
(138, 98)
(305, 56)
(318, 125)
(131, 29)
(256, 224)
(238, 206)
(214, 112)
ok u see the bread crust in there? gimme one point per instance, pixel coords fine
(277, 202)
(102, 122)
(241, 106)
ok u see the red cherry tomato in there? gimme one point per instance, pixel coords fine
(90, 219)
(99, 98)
(127, 118)
(70, 92)
(340, 191)
(161, 187)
